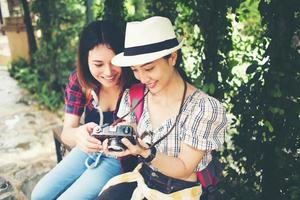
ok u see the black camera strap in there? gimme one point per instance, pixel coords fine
(173, 126)
(176, 120)
(130, 111)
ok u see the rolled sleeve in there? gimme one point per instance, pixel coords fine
(74, 97)
(206, 125)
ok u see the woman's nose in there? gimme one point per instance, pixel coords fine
(143, 78)
(107, 70)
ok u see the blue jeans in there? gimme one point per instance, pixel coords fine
(71, 179)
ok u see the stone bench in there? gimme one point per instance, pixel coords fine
(60, 148)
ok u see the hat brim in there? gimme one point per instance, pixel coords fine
(127, 61)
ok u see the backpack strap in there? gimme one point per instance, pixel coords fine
(212, 174)
(136, 92)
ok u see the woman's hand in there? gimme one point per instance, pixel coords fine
(85, 141)
(138, 149)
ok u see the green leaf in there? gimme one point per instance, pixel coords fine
(212, 88)
(269, 126)
(276, 92)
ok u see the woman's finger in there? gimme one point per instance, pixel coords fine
(142, 143)
(104, 145)
(90, 145)
(118, 153)
(92, 139)
(127, 143)
(90, 126)
(133, 149)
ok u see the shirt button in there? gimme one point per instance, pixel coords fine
(153, 174)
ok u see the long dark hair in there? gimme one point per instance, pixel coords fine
(96, 33)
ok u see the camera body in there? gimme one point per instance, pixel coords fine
(114, 134)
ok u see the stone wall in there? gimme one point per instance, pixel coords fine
(27, 148)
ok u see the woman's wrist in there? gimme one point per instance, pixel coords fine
(149, 155)
(145, 153)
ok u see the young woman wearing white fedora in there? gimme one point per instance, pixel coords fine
(179, 127)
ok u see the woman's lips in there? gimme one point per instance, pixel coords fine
(151, 85)
(109, 78)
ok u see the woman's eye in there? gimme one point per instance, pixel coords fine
(98, 65)
(149, 69)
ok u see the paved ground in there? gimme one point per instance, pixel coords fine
(26, 142)
(4, 50)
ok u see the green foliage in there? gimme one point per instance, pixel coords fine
(210, 16)
(98, 9)
(281, 91)
(46, 76)
(136, 10)
(245, 53)
(60, 22)
(20, 70)
(113, 10)
(165, 8)
(267, 108)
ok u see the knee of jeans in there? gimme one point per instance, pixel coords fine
(42, 191)
(37, 193)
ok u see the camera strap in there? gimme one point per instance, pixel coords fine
(176, 120)
(132, 109)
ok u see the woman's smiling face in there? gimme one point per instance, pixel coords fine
(156, 75)
(101, 68)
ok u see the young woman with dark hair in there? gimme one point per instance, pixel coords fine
(94, 89)
(179, 127)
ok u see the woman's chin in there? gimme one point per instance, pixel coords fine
(154, 90)
(108, 83)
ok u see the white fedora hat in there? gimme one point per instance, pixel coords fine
(146, 41)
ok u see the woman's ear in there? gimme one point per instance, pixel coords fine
(173, 58)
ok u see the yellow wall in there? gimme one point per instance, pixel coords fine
(15, 31)
(18, 44)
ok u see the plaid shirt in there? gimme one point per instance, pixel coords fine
(202, 125)
(75, 101)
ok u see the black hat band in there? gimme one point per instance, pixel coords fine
(151, 48)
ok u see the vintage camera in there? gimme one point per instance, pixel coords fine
(114, 134)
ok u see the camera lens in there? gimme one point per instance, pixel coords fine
(115, 144)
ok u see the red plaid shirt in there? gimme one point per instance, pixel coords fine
(75, 103)
(75, 99)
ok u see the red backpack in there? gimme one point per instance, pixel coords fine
(208, 177)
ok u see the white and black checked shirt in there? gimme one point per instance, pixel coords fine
(202, 125)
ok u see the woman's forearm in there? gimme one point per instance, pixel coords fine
(70, 128)
(68, 136)
(181, 167)
(171, 166)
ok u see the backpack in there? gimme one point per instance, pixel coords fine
(208, 177)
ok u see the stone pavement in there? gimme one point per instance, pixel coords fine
(27, 148)
(4, 50)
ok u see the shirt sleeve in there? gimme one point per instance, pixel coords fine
(206, 125)
(74, 97)
(124, 108)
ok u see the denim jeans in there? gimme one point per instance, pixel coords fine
(71, 179)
